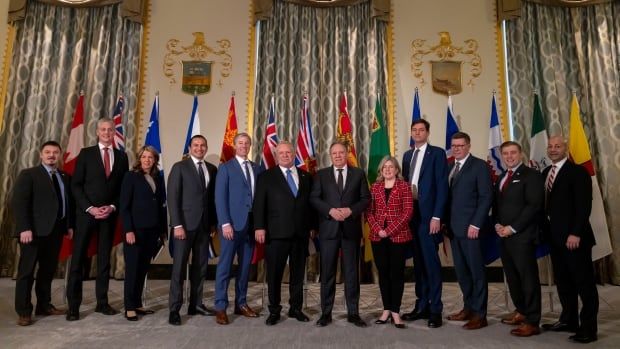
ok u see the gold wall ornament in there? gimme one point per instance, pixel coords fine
(198, 51)
(446, 69)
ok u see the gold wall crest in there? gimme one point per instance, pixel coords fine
(198, 52)
(446, 67)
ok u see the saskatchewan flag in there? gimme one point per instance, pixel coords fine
(379, 145)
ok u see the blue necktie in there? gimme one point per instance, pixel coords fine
(291, 182)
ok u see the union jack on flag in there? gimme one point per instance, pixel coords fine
(271, 138)
(119, 138)
(305, 157)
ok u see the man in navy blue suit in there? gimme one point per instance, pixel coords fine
(469, 200)
(234, 191)
(426, 169)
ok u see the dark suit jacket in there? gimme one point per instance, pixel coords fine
(470, 196)
(520, 204)
(278, 211)
(325, 196)
(34, 201)
(141, 208)
(186, 202)
(569, 205)
(89, 185)
(432, 183)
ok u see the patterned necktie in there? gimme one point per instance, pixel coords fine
(106, 162)
(248, 176)
(457, 168)
(414, 160)
(508, 179)
(201, 174)
(551, 178)
(61, 206)
(340, 180)
(291, 182)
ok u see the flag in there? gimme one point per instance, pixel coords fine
(305, 157)
(152, 133)
(538, 139)
(579, 151)
(119, 138)
(490, 241)
(451, 128)
(344, 132)
(228, 145)
(194, 126)
(415, 115)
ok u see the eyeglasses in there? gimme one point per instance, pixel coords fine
(459, 145)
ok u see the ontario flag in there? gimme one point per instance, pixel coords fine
(305, 157)
(579, 151)
(344, 131)
(451, 129)
(228, 145)
(119, 138)
(415, 115)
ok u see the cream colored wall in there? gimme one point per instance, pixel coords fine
(423, 19)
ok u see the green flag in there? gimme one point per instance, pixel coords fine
(379, 145)
(538, 138)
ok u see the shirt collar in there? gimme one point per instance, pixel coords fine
(196, 160)
(558, 165)
(462, 161)
(49, 169)
(101, 146)
(241, 160)
(422, 147)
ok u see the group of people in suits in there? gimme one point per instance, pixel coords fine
(411, 206)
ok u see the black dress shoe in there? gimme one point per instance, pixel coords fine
(383, 322)
(583, 338)
(416, 315)
(434, 320)
(356, 320)
(200, 309)
(298, 314)
(73, 315)
(400, 326)
(131, 317)
(174, 318)
(559, 327)
(106, 309)
(272, 319)
(324, 320)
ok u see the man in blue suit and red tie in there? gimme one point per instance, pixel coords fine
(426, 168)
(234, 192)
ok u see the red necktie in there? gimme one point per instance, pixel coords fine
(551, 178)
(106, 162)
(508, 179)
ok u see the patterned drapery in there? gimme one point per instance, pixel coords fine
(58, 52)
(322, 52)
(557, 51)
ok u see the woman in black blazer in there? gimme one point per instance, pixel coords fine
(143, 211)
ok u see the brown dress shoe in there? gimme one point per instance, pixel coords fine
(525, 330)
(246, 311)
(475, 323)
(462, 315)
(49, 310)
(221, 317)
(515, 319)
(24, 320)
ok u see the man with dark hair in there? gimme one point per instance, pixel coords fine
(517, 206)
(42, 206)
(96, 187)
(469, 199)
(426, 169)
(191, 204)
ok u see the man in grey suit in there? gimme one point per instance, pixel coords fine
(340, 195)
(469, 198)
(191, 206)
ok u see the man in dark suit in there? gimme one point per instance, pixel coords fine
(283, 219)
(517, 209)
(469, 200)
(340, 195)
(568, 206)
(426, 169)
(42, 208)
(96, 186)
(234, 192)
(191, 204)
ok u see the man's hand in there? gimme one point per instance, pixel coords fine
(337, 214)
(499, 229)
(346, 212)
(259, 234)
(227, 232)
(25, 237)
(70, 234)
(435, 226)
(130, 237)
(179, 233)
(472, 232)
(572, 242)
(313, 233)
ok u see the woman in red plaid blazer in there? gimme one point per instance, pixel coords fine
(390, 210)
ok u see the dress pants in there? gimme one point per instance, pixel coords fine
(277, 253)
(197, 242)
(242, 245)
(471, 274)
(44, 251)
(390, 261)
(574, 276)
(330, 249)
(137, 261)
(86, 226)
(518, 254)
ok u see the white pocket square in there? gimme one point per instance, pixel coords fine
(516, 180)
